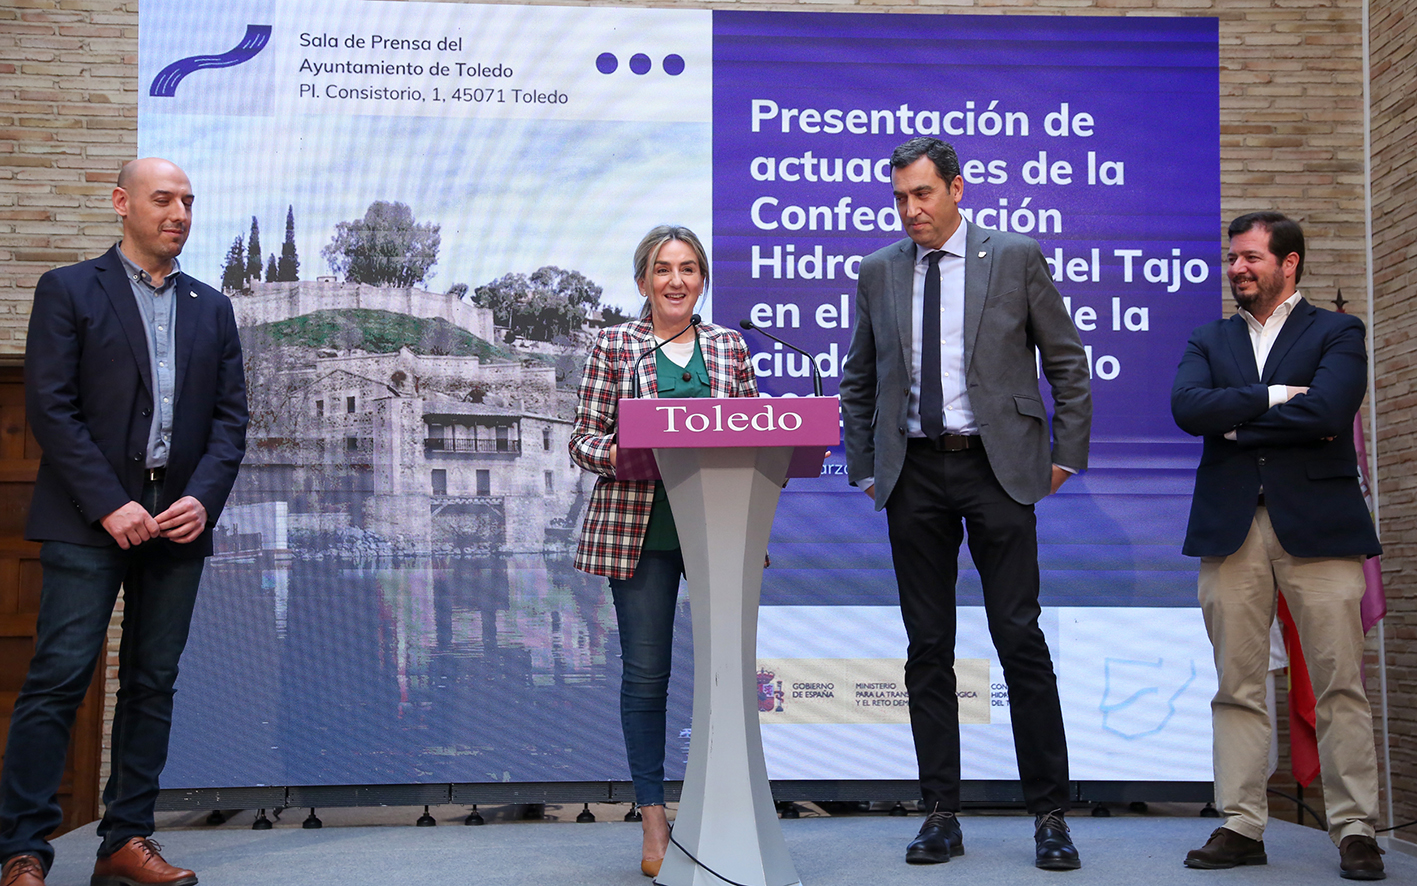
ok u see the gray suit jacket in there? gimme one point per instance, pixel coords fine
(1012, 315)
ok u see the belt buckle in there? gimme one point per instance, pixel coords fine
(953, 443)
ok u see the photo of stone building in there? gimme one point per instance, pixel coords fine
(385, 422)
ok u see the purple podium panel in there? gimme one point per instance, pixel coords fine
(807, 424)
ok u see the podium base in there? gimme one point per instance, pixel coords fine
(723, 501)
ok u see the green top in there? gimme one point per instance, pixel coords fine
(673, 381)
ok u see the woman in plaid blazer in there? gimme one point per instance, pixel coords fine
(629, 534)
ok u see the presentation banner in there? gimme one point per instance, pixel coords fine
(423, 212)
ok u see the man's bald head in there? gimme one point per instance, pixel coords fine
(143, 167)
(154, 199)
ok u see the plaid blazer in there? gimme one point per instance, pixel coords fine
(618, 514)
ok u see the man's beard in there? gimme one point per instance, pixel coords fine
(1266, 293)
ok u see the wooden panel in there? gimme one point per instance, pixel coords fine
(20, 582)
(9, 585)
(15, 655)
(18, 624)
(31, 579)
(13, 428)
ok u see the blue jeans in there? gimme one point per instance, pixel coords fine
(644, 610)
(80, 587)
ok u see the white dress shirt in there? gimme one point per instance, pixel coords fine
(959, 417)
(1262, 338)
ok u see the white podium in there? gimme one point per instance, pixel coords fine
(723, 463)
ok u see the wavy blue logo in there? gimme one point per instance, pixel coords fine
(165, 83)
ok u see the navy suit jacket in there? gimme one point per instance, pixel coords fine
(89, 399)
(1310, 482)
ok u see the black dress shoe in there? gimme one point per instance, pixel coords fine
(1054, 847)
(939, 838)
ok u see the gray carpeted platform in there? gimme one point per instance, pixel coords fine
(828, 851)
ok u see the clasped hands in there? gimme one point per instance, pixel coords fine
(131, 525)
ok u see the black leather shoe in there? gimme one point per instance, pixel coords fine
(939, 838)
(1226, 849)
(1054, 846)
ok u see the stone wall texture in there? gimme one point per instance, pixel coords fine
(1292, 137)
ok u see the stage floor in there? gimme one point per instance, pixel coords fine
(827, 850)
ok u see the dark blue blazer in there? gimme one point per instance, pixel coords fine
(89, 399)
(1310, 482)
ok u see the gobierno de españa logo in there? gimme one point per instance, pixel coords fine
(165, 83)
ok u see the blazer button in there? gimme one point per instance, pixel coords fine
(147, 412)
(1261, 461)
(137, 456)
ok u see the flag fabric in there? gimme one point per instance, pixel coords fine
(1374, 605)
(1374, 597)
(1303, 736)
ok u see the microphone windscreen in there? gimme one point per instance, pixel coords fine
(746, 324)
(695, 320)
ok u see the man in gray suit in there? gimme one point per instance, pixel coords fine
(946, 430)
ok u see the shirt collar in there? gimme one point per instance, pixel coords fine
(133, 272)
(953, 246)
(1281, 313)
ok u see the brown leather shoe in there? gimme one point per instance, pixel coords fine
(137, 863)
(1226, 849)
(26, 870)
(1360, 858)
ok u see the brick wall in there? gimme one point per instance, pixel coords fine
(68, 119)
(1291, 118)
(1291, 138)
(1394, 136)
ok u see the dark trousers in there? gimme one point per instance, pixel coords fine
(80, 587)
(938, 497)
(644, 612)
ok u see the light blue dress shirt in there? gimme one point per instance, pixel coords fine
(158, 307)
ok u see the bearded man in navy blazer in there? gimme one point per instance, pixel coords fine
(946, 430)
(1274, 389)
(134, 390)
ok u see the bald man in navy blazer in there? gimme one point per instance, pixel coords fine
(134, 390)
(1273, 390)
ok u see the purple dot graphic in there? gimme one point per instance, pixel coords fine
(639, 63)
(606, 63)
(673, 65)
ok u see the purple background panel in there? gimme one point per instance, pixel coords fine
(1150, 87)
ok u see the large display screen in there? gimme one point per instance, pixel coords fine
(423, 211)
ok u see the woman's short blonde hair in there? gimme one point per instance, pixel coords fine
(648, 251)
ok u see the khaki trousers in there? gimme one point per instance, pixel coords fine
(1237, 597)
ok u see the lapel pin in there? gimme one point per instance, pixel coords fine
(982, 254)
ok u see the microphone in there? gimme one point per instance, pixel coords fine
(635, 377)
(816, 372)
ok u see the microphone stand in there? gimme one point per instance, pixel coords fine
(816, 372)
(694, 321)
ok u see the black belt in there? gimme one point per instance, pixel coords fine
(154, 475)
(949, 442)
